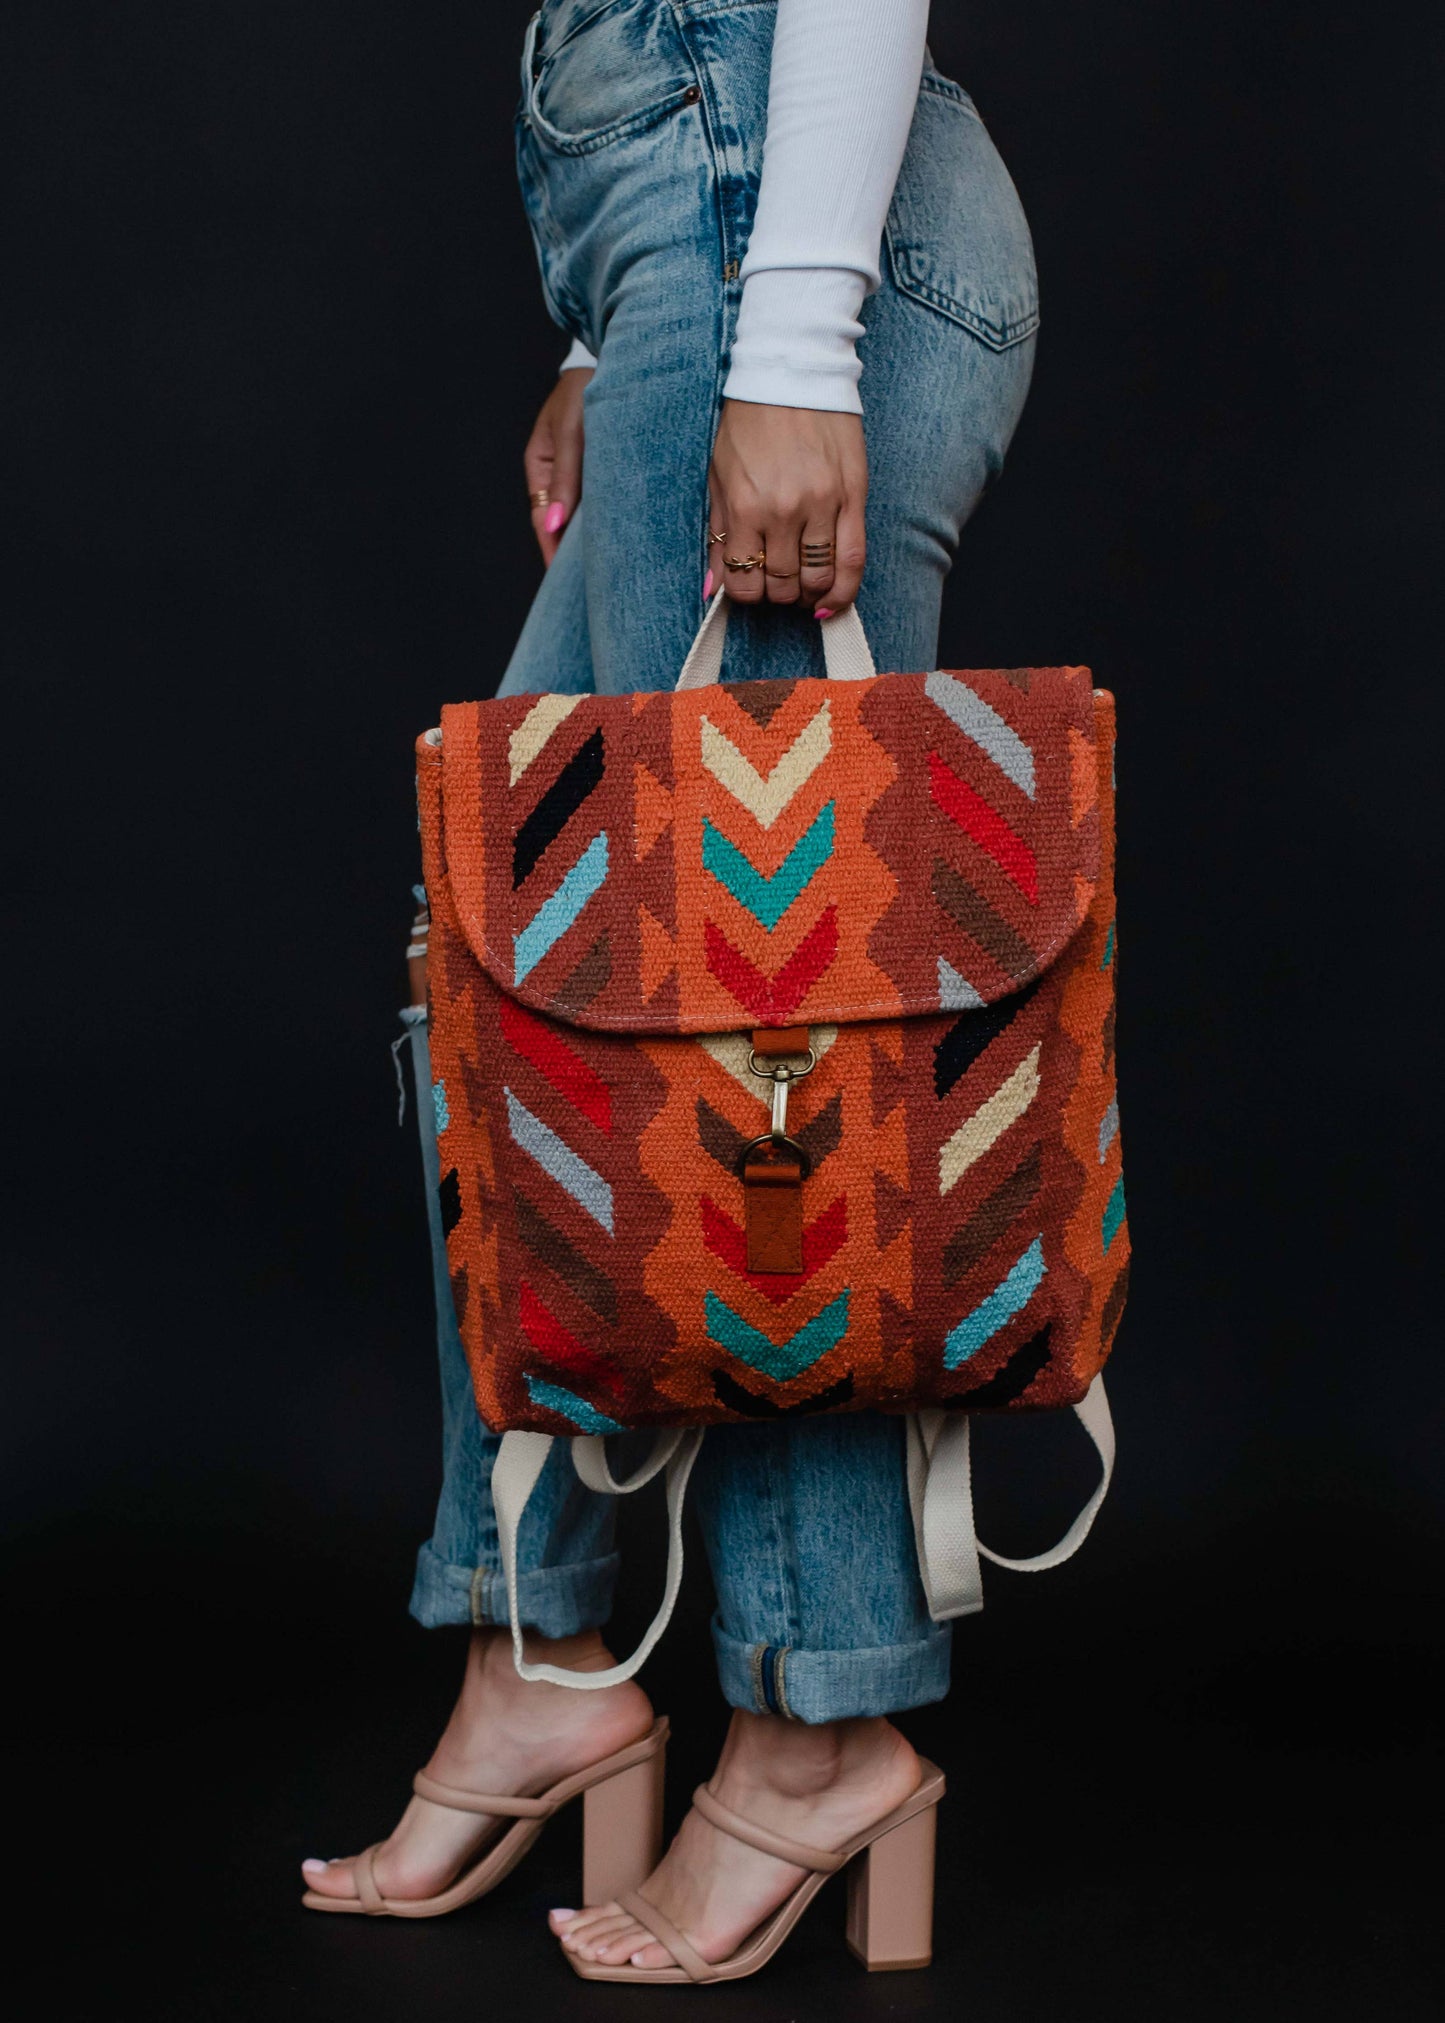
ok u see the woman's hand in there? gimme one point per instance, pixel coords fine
(786, 482)
(553, 459)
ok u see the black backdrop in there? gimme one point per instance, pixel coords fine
(272, 344)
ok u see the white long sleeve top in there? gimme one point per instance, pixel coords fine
(841, 94)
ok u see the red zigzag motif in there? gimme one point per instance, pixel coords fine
(772, 1001)
(558, 1346)
(822, 1241)
(987, 828)
(553, 1059)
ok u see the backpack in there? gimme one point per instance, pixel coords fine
(772, 1033)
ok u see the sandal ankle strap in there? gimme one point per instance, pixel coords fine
(821, 1859)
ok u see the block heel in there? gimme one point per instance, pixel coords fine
(890, 1901)
(622, 1829)
(890, 1897)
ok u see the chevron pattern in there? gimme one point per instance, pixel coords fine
(1009, 1297)
(559, 1162)
(822, 1241)
(918, 869)
(979, 1133)
(558, 912)
(765, 798)
(529, 740)
(768, 898)
(774, 1000)
(778, 1360)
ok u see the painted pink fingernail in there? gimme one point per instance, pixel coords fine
(556, 518)
(707, 586)
(823, 611)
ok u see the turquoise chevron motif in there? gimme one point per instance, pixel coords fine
(768, 899)
(1108, 947)
(778, 1360)
(439, 1106)
(555, 915)
(1009, 1297)
(1113, 1213)
(567, 1405)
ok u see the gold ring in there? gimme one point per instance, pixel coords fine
(714, 539)
(542, 498)
(744, 563)
(780, 572)
(816, 554)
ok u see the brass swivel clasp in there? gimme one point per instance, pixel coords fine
(782, 1074)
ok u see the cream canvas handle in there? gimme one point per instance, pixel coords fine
(520, 1461)
(940, 1489)
(845, 647)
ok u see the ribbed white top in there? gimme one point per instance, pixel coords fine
(841, 96)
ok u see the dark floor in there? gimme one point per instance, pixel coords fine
(1135, 1826)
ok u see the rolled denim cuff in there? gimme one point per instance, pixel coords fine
(556, 1601)
(813, 1686)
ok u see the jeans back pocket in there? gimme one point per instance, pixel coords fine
(957, 237)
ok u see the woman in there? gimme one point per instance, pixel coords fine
(786, 364)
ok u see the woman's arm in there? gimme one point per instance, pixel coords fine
(789, 467)
(840, 103)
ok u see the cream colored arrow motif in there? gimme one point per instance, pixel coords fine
(982, 1131)
(765, 799)
(530, 738)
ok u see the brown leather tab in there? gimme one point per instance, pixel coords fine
(773, 1209)
(772, 1044)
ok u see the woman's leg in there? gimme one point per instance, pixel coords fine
(503, 1735)
(822, 1627)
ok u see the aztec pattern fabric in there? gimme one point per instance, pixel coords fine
(917, 868)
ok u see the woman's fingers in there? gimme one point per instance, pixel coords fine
(566, 485)
(850, 553)
(552, 460)
(742, 556)
(538, 462)
(717, 523)
(817, 548)
(781, 577)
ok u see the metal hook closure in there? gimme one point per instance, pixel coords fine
(775, 1144)
(782, 1077)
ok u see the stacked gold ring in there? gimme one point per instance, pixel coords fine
(817, 554)
(542, 498)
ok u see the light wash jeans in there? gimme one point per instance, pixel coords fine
(639, 145)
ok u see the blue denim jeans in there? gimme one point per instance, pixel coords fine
(639, 146)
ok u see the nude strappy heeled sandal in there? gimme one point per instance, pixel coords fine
(890, 1895)
(621, 1834)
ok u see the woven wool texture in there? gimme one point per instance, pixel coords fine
(919, 868)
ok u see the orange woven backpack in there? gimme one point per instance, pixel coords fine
(772, 1029)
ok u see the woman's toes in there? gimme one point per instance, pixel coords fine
(559, 1921)
(621, 1945)
(329, 1878)
(591, 1942)
(590, 1939)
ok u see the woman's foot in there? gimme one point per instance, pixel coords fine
(817, 1785)
(504, 1735)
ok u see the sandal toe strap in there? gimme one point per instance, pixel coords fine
(666, 1934)
(479, 1801)
(372, 1901)
(821, 1859)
